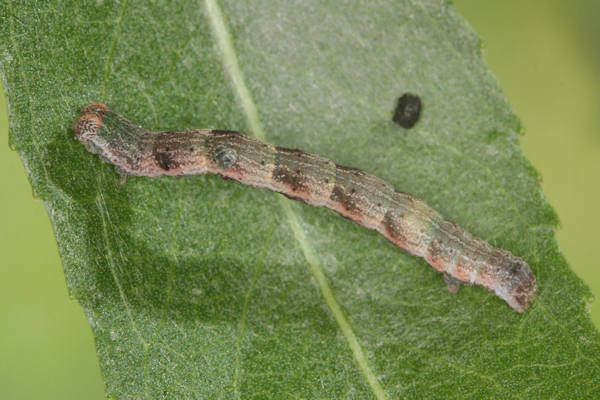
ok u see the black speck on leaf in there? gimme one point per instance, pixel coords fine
(408, 110)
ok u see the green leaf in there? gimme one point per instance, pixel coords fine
(203, 288)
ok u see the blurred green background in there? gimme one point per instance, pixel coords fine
(546, 55)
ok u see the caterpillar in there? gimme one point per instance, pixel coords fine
(406, 221)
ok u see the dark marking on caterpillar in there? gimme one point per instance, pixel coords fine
(164, 160)
(286, 169)
(408, 110)
(339, 195)
(223, 156)
(406, 221)
(393, 228)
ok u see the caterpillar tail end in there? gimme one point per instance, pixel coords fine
(89, 122)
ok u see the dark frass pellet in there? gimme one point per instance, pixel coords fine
(408, 110)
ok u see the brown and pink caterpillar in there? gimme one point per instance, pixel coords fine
(405, 220)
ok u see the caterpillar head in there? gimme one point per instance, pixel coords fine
(89, 122)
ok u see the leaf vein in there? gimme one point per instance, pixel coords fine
(117, 34)
(233, 69)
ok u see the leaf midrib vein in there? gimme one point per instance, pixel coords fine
(232, 68)
(117, 34)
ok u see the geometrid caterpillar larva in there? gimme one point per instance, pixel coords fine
(405, 220)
